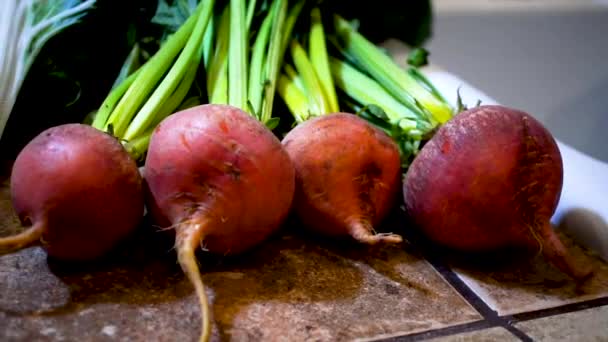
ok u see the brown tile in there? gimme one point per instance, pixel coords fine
(492, 334)
(9, 223)
(532, 284)
(290, 288)
(318, 293)
(586, 325)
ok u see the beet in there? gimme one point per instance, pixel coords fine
(347, 176)
(79, 192)
(221, 179)
(490, 178)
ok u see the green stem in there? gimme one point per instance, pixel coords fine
(256, 77)
(296, 100)
(190, 54)
(382, 68)
(217, 77)
(249, 15)
(274, 58)
(317, 50)
(138, 146)
(295, 78)
(366, 91)
(208, 41)
(309, 78)
(177, 97)
(422, 80)
(111, 100)
(237, 56)
(149, 76)
(129, 66)
(290, 22)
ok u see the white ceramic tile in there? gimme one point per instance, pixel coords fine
(530, 285)
(586, 325)
(492, 334)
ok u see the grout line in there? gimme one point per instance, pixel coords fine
(475, 301)
(559, 310)
(443, 332)
(491, 317)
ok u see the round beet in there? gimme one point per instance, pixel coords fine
(347, 176)
(221, 179)
(78, 190)
(490, 178)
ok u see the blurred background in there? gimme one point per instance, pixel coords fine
(547, 57)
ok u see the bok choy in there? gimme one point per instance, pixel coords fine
(25, 27)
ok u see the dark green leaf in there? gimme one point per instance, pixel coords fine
(378, 112)
(272, 123)
(418, 57)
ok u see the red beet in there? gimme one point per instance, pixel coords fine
(490, 178)
(221, 179)
(347, 176)
(78, 190)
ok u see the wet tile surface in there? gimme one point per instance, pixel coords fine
(586, 325)
(9, 223)
(527, 284)
(290, 288)
(491, 334)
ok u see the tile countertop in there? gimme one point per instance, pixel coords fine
(296, 287)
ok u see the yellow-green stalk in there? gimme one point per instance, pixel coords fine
(365, 90)
(296, 100)
(293, 76)
(109, 103)
(258, 59)
(317, 50)
(151, 73)
(237, 55)
(217, 73)
(274, 61)
(387, 73)
(191, 54)
(309, 77)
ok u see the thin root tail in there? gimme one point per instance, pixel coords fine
(554, 251)
(187, 261)
(29, 237)
(363, 233)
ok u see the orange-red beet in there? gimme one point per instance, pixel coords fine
(347, 176)
(78, 189)
(221, 179)
(218, 167)
(490, 178)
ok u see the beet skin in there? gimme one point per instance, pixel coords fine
(490, 178)
(222, 180)
(217, 167)
(347, 176)
(78, 189)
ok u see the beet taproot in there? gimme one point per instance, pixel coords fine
(221, 180)
(347, 176)
(490, 178)
(79, 192)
